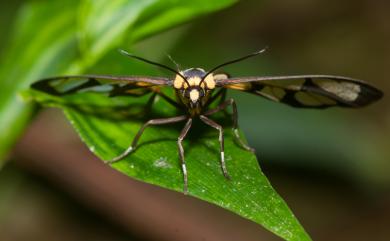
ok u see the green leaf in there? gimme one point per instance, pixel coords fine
(107, 126)
(56, 37)
(153, 19)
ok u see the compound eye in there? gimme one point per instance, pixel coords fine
(201, 92)
(186, 93)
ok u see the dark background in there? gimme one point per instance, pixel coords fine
(331, 166)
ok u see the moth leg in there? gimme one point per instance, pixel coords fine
(236, 133)
(223, 96)
(221, 142)
(141, 131)
(220, 93)
(168, 99)
(150, 102)
(181, 153)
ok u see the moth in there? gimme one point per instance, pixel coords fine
(196, 89)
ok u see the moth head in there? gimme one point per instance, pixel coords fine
(194, 77)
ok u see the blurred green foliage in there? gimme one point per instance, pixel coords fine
(346, 38)
(55, 38)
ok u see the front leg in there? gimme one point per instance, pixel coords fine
(236, 133)
(221, 94)
(181, 153)
(221, 142)
(141, 131)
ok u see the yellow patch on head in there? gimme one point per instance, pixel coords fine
(210, 82)
(194, 81)
(194, 95)
(178, 82)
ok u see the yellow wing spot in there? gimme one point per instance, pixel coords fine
(178, 82)
(345, 90)
(210, 82)
(278, 92)
(142, 84)
(306, 99)
(239, 86)
(194, 95)
(220, 76)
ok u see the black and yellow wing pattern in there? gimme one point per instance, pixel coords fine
(111, 85)
(307, 91)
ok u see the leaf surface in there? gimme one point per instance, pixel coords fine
(108, 125)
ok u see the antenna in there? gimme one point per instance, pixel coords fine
(125, 53)
(173, 61)
(234, 61)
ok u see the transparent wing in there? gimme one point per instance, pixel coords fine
(111, 85)
(307, 91)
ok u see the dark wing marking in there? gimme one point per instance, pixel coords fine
(310, 91)
(113, 85)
